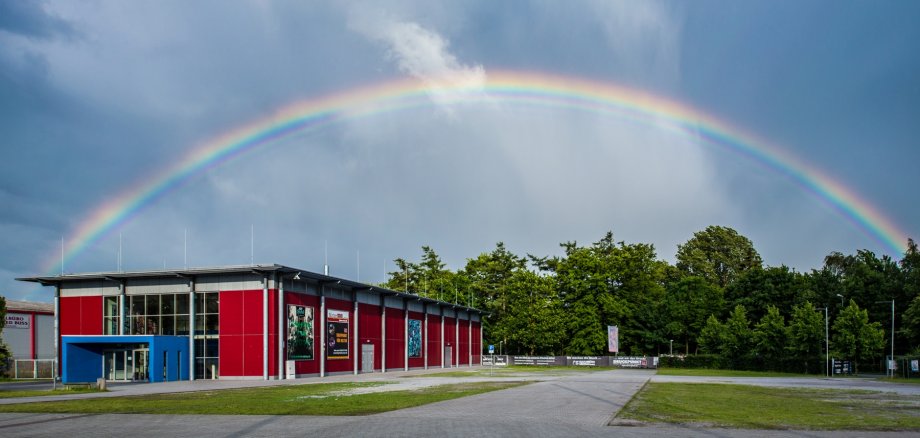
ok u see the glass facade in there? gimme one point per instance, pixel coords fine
(161, 314)
(207, 329)
(168, 314)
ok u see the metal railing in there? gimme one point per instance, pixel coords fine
(33, 368)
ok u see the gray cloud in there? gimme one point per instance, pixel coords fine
(30, 19)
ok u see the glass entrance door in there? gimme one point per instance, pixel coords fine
(126, 364)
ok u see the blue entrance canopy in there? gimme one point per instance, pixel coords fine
(81, 356)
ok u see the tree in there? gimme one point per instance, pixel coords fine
(910, 319)
(806, 335)
(757, 289)
(713, 336)
(487, 277)
(737, 346)
(718, 254)
(770, 338)
(4, 350)
(688, 303)
(855, 337)
(534, 318)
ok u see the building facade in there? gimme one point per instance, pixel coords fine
(29, 329)
(249, 322)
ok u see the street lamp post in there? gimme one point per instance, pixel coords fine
(841, 299)
(890, 359)
(827, 347)
(672, 348)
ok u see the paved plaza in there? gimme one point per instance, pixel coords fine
(559, 404)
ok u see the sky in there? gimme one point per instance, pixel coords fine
(99, 99)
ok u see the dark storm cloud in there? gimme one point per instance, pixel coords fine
(29, 18)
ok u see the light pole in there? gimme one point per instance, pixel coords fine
(827, 345)
(841, 299)
(500, 347)
(891, 359)
(672, 348)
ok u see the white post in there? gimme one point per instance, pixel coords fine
(469, 335)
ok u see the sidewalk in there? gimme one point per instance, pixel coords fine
(134, 389)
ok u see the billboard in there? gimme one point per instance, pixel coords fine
(300, 333)
(336, 334)
(415, 338)
(613, 339)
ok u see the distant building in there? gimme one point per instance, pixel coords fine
(249, 322)
(29, 329)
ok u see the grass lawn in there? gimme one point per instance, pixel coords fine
(743, 406)
(726, 373)
(913, 381)
(43, 392)
(315, 399)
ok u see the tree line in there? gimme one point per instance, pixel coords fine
(717, 301)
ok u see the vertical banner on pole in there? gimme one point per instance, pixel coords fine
(613, 339)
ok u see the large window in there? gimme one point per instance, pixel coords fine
(110, 316)
(161, 314)
(207, 328)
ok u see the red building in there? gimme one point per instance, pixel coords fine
(250, 322)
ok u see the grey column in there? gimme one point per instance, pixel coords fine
(442, 337)
(425, 335)
(281, 337)
(456, 349)
(57, 325)
(357, 334)
(265, 349)
(383, 335)
(191, 330)
(322, 331)
(122, 302)
(469, 335)
(406, 335)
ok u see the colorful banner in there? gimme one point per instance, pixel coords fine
(336, 334)
(415, 338)
(613, 339)
(300, 333)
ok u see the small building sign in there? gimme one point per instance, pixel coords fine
(491, 349)
(16, 321)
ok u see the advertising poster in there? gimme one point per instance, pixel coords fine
(613, 339)
(415, 338)
(300, 333)
(336, 334)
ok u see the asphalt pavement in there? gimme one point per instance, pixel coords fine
(563, 404)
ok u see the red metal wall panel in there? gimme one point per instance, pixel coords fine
(81, 315)
(450, 340)
(396, 343)
(70, 316)
(434, 341)
(464, 342)
(418, 362)
(340, 365)
(477, 345)
(241, 344)
(307, 366)
(370, 331)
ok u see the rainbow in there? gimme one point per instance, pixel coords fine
(505, 86)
